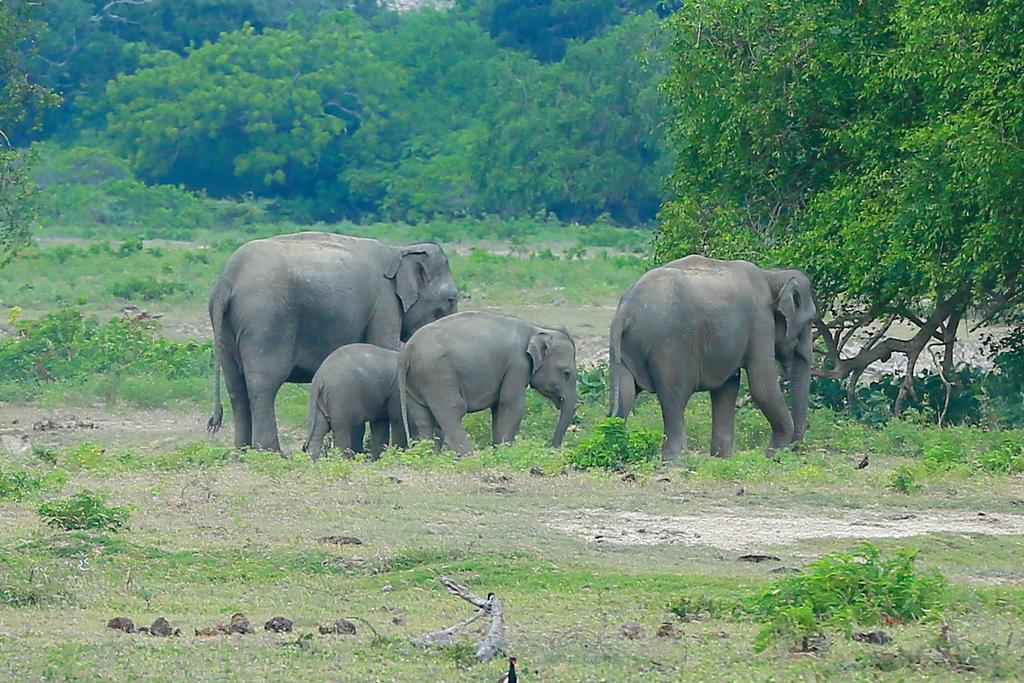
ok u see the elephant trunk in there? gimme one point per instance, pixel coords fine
(799, 388)
(568, 410)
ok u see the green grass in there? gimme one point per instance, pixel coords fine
(216, 531)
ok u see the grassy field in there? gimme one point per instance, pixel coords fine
(591, 564)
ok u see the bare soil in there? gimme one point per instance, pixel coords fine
(745, 530)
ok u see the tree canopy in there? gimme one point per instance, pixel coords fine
(338, 109)
(877, 145)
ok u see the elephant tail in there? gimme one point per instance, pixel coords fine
(319, 423)
(218, 304)
(403, 368)
(615, 366)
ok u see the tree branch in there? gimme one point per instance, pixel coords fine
(495, 637)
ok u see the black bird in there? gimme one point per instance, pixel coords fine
(511, 676)
(863, 463)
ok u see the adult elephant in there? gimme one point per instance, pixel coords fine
(691, 324)
(283, 304)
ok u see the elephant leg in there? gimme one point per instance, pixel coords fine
(452, 431)
(239, 395)
(358, 438)
(763, 378)
(421, 422)
(379, 430)
(673, 402)
(723, 416)
(507, 414)
(264, 418)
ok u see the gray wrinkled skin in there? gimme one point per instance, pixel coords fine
(283, 304)
(477, 360)
(692, 324)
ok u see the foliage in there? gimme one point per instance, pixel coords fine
(147, 288)
(614, 446)
(583, 136)
(847, 590)
(592, 381)
(874, 146)
(84, 510)
(332, 114)
(66, 346)
(904, 481)
(21, 102)
(18, 484)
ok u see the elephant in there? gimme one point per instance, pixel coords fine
(692, 324)
(356, 384)
(476, 360)
(283, 304)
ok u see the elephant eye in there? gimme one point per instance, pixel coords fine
(567, 373)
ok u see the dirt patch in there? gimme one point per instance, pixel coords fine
(747, 530)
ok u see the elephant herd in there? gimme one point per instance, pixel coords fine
(334, 311)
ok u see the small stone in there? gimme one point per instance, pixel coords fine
(667, 630)
(341, 627)
(398, 620)
(161, 627)
(873, 637)
(240, 624)
(536, 471)
(278, 625)
(631, 630)
(387, 588)
(121, 624)
(340, 540)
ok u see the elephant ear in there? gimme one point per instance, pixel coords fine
(408, 269)
(791, 306)
(538, 348)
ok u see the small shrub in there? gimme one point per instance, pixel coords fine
(1007, 457)
(904, 480)
(612, 446)
(847, 590)
(694, 608)
(943, 455)
(592, 381)
(147, 288)
(20, 484)
(85, 510)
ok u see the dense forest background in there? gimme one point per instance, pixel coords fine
(342, 109)
(878, 145)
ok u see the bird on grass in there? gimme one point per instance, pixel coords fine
(511, 676)
(863, 463)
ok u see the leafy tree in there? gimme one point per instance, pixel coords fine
(581, 137)
(877, 145)
(21, 101)
(546, 27)
(280, 113)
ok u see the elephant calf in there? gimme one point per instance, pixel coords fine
(472, 361)
(356, 384)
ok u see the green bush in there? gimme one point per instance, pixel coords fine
(67, 347)
(147, 288)
(613, 446)
(1007, 457)
(904, 480)
(16, 484)
(84, 510)
(592, 381)
(847, 590)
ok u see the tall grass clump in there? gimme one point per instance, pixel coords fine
(84, 510)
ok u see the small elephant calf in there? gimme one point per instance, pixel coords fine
(356, 384)
(473, 361)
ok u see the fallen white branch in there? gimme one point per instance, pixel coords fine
(495, 636)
